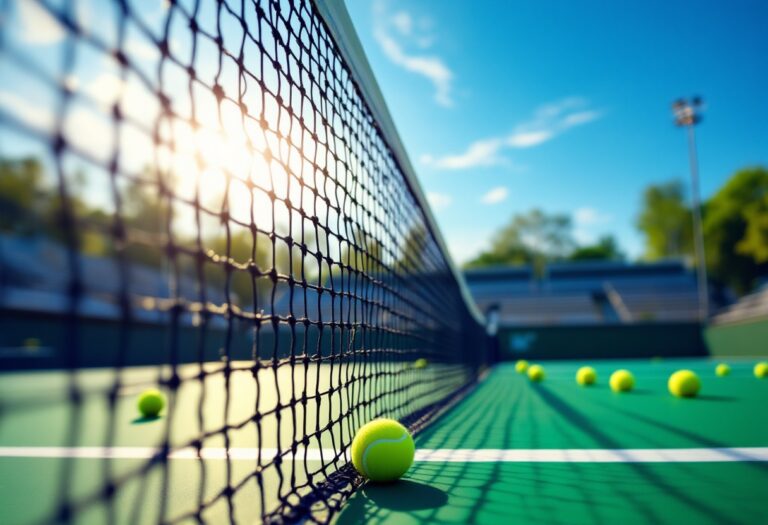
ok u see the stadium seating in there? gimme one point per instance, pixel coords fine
(750, 307)
(588, 293)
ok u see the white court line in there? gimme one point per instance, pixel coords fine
(655, 455)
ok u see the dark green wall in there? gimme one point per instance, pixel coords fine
(747, 339)
(107, 343)
(100, 342)
(602, 341)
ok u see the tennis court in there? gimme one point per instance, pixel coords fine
(510, 451)
(555, 452)
(207, 206)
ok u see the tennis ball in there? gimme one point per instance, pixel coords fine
(151, 402)
(536, 373)
(622, 381)
(521, 366)
(684, 383)
(382, 450)
(420, 363)
(586, 375)
(722, 370)
(761, 370)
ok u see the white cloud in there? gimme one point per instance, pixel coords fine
(496, 195)
(587, 216)
(89, 128)
(550, 120)
(547, 122)
(141, 49)
(34, 115)
(38, 25)
(136, 101)
(582, 117)
(431, 67)
(587, 223)
(480, 153)
(403, 22)
(528, 139)
(439, 201)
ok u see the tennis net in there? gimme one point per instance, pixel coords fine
(209, 197)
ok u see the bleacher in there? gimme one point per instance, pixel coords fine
(749, 308)
(579, 293)
(34, 277)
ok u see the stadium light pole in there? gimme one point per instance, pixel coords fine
(688, 114)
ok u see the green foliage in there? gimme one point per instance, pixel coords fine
(533, 238)
(145, 216)
(414, 249)
(21, 194)
(735, 224)
(516, 256)
(605, 249)
(30, 207)
(363, 254)
(736, 230)
(755, 241)
(665, 220)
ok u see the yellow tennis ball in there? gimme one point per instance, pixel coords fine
(586, 376)
(521, 366)
(761, 370)
(420, 363)
(536, 373)
(382, 450)
(622, 381)
(684, 383)
(151, 403)
(722, 370)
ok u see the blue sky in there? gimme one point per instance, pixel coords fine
(503, 106)
(506, 106)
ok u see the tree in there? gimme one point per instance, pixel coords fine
(30, 203)
(362, 252)
(415, 253)
(533, 238)
(755, 241)
(736, 230)
(21, 194)
(666, 221)
(145, 215)
(605, 249)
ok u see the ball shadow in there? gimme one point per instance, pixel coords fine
(639, 392)
(705, 397)
(145, 419)
(405, 495)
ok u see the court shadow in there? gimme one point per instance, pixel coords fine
(639, 392)
(374, 501)
(716, 398)
(405, 495)
(145, 419)
(651, 477)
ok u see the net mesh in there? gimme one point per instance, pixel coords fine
(196, 197)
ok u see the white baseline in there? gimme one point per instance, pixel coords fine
(655, 455)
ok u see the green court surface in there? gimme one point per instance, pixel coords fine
(508, 412)
(635, 469)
